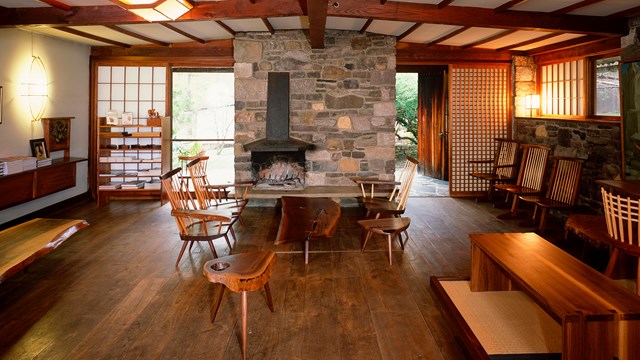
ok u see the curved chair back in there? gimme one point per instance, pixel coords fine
(623, 220)
(533, 166)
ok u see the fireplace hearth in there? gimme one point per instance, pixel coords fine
(278, 170)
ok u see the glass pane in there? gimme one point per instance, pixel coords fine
(117, 92)
(132, 74)
(117, 74)
(159, 75)
(131, 91)
(146, 74)
(607, 101)
(220, 167)
(145, 91)
(104, 74)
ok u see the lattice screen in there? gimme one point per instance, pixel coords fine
(479, 112)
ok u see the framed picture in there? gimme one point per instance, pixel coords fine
(127, 118)
(39, 149)
(57, 134)
(112, 118)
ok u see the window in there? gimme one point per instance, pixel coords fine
(562, 89)
(203, 118)
(607, 87)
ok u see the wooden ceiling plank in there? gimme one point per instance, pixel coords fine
(478, 17)
(583, 40)
(508, 5)
(448, 36)
(625, 13)
(444, 3)
(489, 39)
(58, 4)
(595, 47)
(413, 28)
(525, 43)
(226, 27)
(91, 36)
(136, 35)
(411, 54)
(269, 26)
(578, 5)
(317, 22)
(183, 33)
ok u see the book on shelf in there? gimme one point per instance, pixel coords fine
(133, 184)
(153, 184)
(43, 162)
(12, 165)
(110, 186)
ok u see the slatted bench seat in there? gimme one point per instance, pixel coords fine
(20, 245)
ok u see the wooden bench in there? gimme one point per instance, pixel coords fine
(599, 318)
(22, 244)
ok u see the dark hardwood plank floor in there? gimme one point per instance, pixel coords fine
(112, 291)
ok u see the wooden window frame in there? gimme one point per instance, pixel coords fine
(592, 87)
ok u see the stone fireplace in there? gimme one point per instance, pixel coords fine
(341, 103)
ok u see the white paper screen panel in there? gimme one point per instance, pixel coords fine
(134, 89)
(480, 112)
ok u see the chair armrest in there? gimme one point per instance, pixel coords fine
(372, 183)
(206, 215)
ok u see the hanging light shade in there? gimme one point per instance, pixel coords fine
(157, 10)
(37, 88)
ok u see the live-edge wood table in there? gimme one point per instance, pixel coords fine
(20, 245)
(600, 319)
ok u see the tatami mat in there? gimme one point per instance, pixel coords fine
(506, 322)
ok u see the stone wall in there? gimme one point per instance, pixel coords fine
(342, 100)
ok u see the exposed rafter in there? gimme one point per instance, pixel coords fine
(444, 3)
(317, 22)
(225, 27)
(528, 42)
(413, 28)
(508, 5)
(578, 5)
(136, 35)
(449, 35)
(183, 33)
(58, 4)
(488, 39)
(92, 37)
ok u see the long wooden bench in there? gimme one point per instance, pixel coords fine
(599, 318)
(20, 245)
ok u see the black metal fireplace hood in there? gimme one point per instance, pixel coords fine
(278, 138)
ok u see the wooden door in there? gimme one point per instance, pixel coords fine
(432, 122)
(479, 112)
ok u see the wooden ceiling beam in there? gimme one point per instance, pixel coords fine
(578, 5)
(489, 39)
(366, 26)
(477, 17)
(183, 33)
(528, 42)
(216, 51)
(136, 35)
(626, 13)
(317, 22)
(580, 41)
(413, 28)
(225, 27)
(268, 25)
(91, 36)
(595, 47)
(448, 36)
(444, 3)
(508, 5)
(57, 4)
(423, 54)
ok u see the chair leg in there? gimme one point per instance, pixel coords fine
(244, 325)
(400, 240)
(306, 251)
(215, 306)
(543, 220)
(389, 238)
(612, 262)
(268, 292)
(184, 246)
(233, 235)
(226, 238)
(213, 249)
(366, 240)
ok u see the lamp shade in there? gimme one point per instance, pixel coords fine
(37, 88)
(157, 10)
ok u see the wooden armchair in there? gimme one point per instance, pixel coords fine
(194, 224)
(533, 166)
(562, 192)
(623, 226)
(373, 187)
(504, 166)
(231, 197)
(394, 205)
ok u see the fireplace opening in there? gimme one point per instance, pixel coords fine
(278, 170)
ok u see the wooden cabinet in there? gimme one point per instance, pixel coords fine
(32, 184)
(129, 160)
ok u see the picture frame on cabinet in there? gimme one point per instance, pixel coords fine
(127, 118)
(111, 118)
(39, 149)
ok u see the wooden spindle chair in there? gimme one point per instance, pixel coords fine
(394, 205)
(504, 166)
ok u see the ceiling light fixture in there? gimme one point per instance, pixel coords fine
(156, 10)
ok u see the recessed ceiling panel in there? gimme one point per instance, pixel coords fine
(386, 27)
(429, 32)
(544, 5)
(343, 23)
(471, 35)
(246, 25)
(489, 4)
(514, 38)
(205, 30)
(290, 22)
(156, 32)
(46, 30)
(553, 40)
(605, 8)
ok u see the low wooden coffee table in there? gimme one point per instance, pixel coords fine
(306, 218)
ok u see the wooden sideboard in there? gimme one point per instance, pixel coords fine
(32, 184)
(599, 318)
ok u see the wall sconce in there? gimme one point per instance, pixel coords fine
(37, 88)
(156, 10)
(531, 102)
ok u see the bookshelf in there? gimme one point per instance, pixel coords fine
(129, 159)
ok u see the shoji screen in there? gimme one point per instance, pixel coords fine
(480, 111)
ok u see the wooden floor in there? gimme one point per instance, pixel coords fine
(112, 291)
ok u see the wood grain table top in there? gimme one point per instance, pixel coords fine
(628, 187)
(299, 214)
(20, 245)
